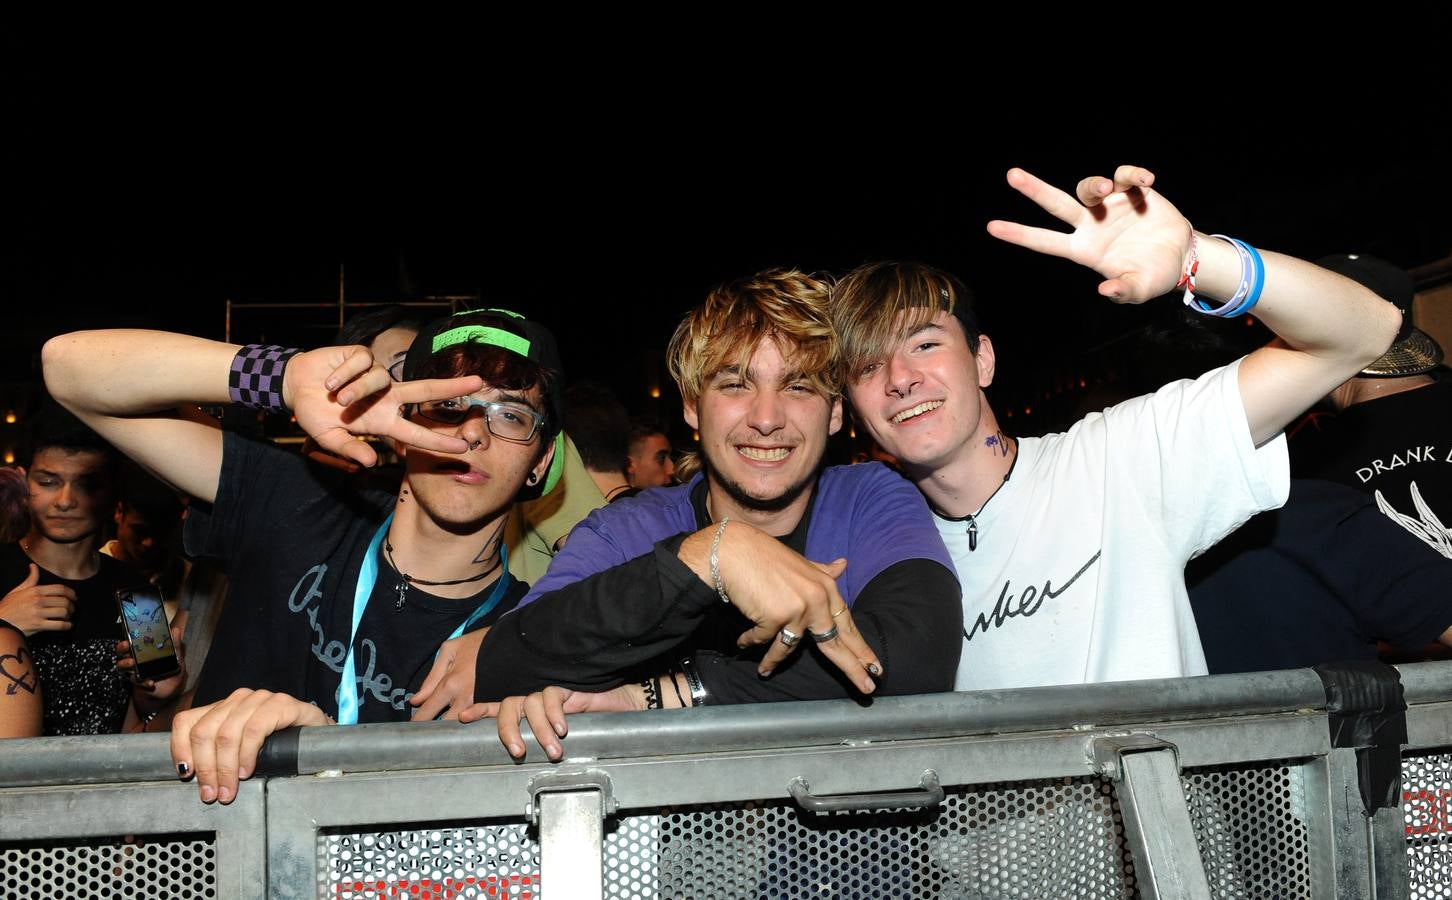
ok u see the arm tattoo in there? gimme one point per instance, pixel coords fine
(17, 669)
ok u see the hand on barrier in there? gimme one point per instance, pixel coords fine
(546, 711)
(339, 394)
(1123, 229)
(34, 607)
(449, 686)
(218, 743)
(787, 596)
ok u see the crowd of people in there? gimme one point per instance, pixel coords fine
(467, 535)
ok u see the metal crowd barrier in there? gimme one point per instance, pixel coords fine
(1232, 786)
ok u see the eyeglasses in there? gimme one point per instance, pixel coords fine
(504, 420)
(395, 371)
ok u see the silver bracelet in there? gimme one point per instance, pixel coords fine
(716, 562)
(693, 680)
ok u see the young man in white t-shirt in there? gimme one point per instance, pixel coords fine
(1071, 547)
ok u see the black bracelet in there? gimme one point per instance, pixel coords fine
(693, 681)
(677, 685)
(652, 693)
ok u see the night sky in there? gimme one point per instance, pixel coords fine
(604, 194)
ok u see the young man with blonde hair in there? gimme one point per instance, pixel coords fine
(633, 607)
(1071, 547)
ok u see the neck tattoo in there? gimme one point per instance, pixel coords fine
(406, 580)
(1000, 445)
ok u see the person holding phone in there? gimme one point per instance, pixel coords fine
(62, 590)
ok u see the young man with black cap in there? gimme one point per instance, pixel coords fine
(1071, 547)
(339, 600)
(1392, 435)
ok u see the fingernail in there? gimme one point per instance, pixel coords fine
(225, 795)
(331, 384)
(516, 751)
(183, 770)
(764, 673)
(244, 773)
(209, 793)
(559, 728)
(553, 750)
(345, 398)
(875, 669)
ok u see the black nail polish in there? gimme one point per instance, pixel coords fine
(874, 669)
(183, 770)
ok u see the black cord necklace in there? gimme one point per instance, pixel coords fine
(407, 579)
(972, 518)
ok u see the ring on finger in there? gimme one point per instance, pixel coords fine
(824, 636)
(789, 638)
(839, 612)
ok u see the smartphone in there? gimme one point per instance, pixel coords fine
(144, 618)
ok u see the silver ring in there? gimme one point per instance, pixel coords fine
(824, 636)
(789, 638)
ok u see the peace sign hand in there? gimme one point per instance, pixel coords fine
(1123, 229)
(340, 394)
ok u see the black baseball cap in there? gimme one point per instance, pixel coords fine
(510, 331)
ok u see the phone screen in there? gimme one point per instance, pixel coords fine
(144, 616)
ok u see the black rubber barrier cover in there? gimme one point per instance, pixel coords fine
(278, 755)
(1368, 712)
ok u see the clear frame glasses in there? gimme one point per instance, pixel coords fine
(509, 421)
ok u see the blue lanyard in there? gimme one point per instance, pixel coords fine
(367, 578)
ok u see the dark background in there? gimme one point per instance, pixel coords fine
(604, 189)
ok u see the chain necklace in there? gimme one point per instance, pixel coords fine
(406, 580)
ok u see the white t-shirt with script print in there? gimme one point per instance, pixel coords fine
(1079, 572)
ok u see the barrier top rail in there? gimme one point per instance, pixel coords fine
(383, 747)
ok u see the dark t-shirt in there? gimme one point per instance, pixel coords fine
(1387, 445)
(84, 691)
(293, 536)
(1320, 580)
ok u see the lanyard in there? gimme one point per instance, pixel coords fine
(367, 578)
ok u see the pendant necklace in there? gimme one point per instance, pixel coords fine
(972, 518)
(405, 579)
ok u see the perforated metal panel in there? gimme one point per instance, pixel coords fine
(1251, 826)
(1427, 810)
(430, 863)
(469, 861)
(166, 867)
(1057, 838)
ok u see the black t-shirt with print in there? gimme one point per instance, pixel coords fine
(1387, 445)
(292, 536)
(84, 692)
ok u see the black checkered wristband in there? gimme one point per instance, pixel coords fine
(255, 379)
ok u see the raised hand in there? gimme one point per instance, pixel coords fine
(340, 394)
(1123, 229)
